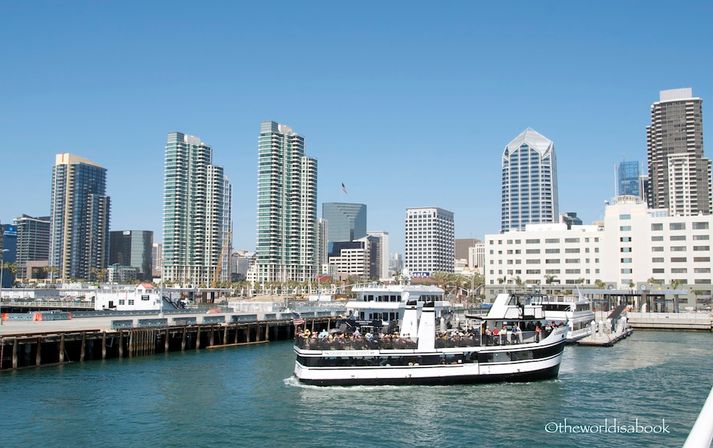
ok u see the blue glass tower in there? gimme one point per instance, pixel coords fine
(627, 179)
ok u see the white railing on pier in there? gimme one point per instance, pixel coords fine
(701, 435)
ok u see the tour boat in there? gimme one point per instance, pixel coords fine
(416, 353)
(576, 312)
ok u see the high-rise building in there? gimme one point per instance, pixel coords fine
(529, 181)
(379, 255)
(132, 248)
(33, 242)
(429, 242)
(345, 221)
(462, 246)
(157, 259)
(286, 206)
(627, 179)
(226, 233)
(194, 216)
(678, 171)
(79, 219)
(322, 246)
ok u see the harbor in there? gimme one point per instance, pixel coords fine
(36, 343)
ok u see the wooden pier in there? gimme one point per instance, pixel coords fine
(60, 346)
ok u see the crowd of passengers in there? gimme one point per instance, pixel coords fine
(497, 335)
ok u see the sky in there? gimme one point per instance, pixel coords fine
(408, 103)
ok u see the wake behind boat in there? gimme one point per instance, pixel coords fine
(512, 343)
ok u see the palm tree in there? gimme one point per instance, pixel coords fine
(598, 283)
(549, 279)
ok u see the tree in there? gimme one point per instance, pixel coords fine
(598, 283)
(549, 279)
(518, 281)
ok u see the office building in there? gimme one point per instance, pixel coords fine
(678, 171)
(345, 221)
(194, 217)
(79, 219)
(379, 255)
(33, 242)
(287, 206)
(157, 259)
(132, 248)
(634, 245)
(476, 257)
(429, 241)
(529, 181)
(462, 246)
(627, 179)
(350, 258)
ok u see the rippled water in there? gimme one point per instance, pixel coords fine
(246, 397)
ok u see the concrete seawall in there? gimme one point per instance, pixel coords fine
(671, 321)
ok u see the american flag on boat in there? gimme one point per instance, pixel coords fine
(298, 321)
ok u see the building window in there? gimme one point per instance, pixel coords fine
(679, 271)
(532, 261)
(657, 249)
(626, 260)
(552, 251)
(532, 241)
(657, 260)
(701, 248)
(658, 270)
(626, 271)
(702, 270)
(700, 226)
(701, 237)
(625, 249)
(702, 259)
(624, 217)
(625, 239)
(678, 237)
(572, 260)
(532, 251)
(702, 281)
(677, 226)
(678, 259)
(552, 261)
(658, 226)
(573, 250)
(678, 248)
(552, 240)
(625, 228)
(657, 238)
(571, 240)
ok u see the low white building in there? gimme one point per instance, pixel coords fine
(142, 298)
(634, 245)
(350, 258)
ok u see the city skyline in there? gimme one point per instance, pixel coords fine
(571, 107)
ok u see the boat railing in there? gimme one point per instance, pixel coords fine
(395, 342)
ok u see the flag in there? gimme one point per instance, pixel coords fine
(299, 321)
(344, 188)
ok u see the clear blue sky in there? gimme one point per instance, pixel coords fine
(408, 103)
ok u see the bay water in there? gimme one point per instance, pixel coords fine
(653, 383)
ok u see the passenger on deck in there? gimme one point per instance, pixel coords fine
(323, 334)
(516, 334)
(505, 334)
(538, 332)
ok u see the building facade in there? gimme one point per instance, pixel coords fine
(194, 216)
(679, 174)
(627, 179)
(429, 241)
(157, 259)
(33, 242)
(350, 258)
(79, 219)
(379, 254)
(286, 207)
(529, 181)
(635, 245)
(345, 221)
(132, 248)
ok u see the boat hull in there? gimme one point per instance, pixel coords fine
(438, 374)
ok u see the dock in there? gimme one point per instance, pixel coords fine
(605, 339)
(31, 343)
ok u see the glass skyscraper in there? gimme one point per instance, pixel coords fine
(33, 241)
(529, 181)
(627, 179)
(132, 248)
(79, 219)
(286, 206)
(345, 221)
(195, 217)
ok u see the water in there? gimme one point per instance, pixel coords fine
(246, 397)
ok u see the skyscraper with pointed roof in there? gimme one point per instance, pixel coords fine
(529, 181)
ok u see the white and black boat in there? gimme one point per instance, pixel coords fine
(575, 312)
(417, 353)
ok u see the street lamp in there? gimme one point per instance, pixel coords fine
(2, 270)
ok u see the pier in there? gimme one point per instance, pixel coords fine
(31, 343)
